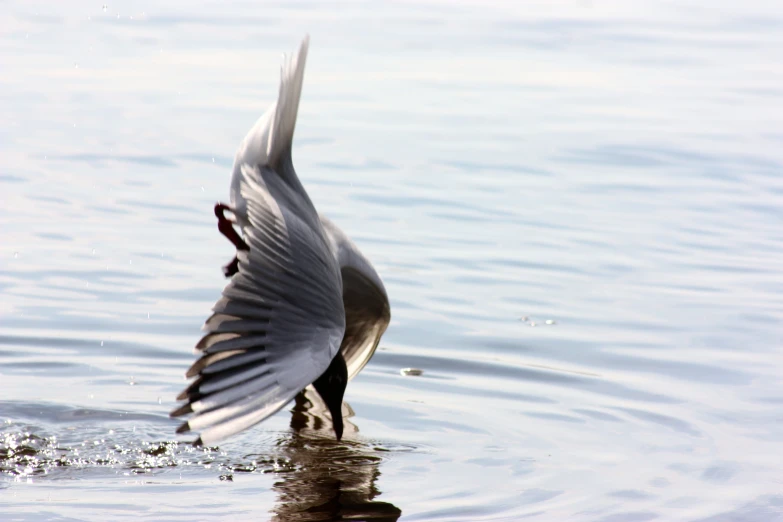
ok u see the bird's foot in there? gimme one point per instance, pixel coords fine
(231, 268)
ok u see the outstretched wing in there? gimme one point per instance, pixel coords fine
(279, 322)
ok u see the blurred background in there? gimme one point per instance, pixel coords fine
(576, 207)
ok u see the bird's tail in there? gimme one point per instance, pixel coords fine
(281, 135)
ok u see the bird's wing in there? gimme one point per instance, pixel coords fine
(367, 315)
(278, 324)
(284, 121)
(269, 141)
(367, 311)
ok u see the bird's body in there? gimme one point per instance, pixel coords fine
(303, 305)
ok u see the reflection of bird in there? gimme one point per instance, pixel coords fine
(303, 306)
(329, 481)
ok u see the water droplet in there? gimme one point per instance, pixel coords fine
(213, 160)
(118, 16)
(202, 189)
(101, 343)
(130, 261)
(132, 382)
(105, 8)
(160, 400)
(532, 323)
(411, 371)
(523, 318)
(74, 125)
(550, 321)
(148, 315)
(75, 66)
(93, 251)
(16, 255)
(131, 17)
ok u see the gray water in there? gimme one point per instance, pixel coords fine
(576, 206)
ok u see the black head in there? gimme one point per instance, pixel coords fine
(331, 387)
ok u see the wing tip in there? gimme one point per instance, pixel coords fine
(191, 393)
(182, 410)
(281, 134)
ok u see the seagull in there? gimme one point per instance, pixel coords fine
(303, 305)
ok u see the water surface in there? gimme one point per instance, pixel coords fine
(575, 206)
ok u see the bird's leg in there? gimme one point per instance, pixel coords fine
(226, 227)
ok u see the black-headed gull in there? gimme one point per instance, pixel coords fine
(303, 305)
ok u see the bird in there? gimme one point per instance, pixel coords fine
(303, 306)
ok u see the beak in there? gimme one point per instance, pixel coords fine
(337, 421)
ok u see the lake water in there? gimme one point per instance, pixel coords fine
(576, 206)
